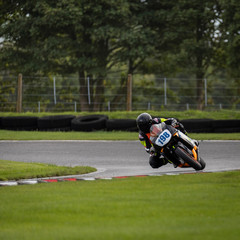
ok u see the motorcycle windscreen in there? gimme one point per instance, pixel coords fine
(155, 130)
(159, 136)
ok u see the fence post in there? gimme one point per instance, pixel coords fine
(75, 106)
(19, 94)
(54, 90)
(205, 86)
(88, 86)
(149, 106)
(129, 92)
(165, 91)
(39, 106)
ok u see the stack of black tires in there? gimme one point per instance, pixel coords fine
(67, 123)
(211, 126)
(102, 122)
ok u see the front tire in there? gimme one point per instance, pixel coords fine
(188, 158)
(202, 162)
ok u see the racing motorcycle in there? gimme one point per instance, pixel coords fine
(176, 147)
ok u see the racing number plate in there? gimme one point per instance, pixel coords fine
(163, 138)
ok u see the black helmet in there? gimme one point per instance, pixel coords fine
(144, 122)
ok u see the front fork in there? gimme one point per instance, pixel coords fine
(189, 143)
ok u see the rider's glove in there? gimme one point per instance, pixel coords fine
(172, 121)
(176, 124)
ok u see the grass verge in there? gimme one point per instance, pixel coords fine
(189, 207)
(10, 170)
(100, 135)
(191, 114)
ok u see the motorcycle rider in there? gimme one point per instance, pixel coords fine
(144, 123)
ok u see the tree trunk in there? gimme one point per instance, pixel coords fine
(120, 97)
(99, 95)
(199, 63)
(200, 82)
(200, 93)
(83, 91)
(102, 53)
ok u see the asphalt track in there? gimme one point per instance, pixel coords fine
(115, 158)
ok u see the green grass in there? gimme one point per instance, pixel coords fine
(189, 207)
(191, 114)
(100, 135)
(10, 170)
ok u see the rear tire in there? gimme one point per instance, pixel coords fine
(188, 158)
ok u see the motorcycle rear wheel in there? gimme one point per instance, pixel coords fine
(188, 158)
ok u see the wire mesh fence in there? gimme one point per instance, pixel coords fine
(61, 94)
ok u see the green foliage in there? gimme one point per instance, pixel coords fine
(191, 114)
(7, 89)
(230, 26)
(90, 38)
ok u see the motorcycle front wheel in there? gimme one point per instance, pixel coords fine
(202, 162)
(188, 158)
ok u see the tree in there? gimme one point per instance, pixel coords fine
(136, 41)
(230, 40)
(63, 37)
(106, 20)
(164, 34)
(184, 37)
(198, 21)
(88, 38)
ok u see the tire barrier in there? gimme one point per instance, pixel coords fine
(121, 125)
(211, 126)
(101, 122)
(226, 126)
(89, 123)
(55, 123)
(20, 123)
(198, 125)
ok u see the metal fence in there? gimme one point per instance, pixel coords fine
(61, 94)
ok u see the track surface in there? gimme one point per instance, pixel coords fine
(114, 158)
